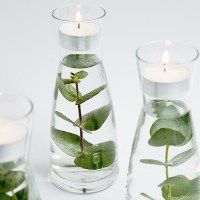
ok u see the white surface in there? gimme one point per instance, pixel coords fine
(29, 63)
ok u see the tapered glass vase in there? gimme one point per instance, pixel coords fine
(83, 137)
(16, 180)
(164, 162)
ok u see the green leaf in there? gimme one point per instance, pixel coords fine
(81, 74)
(23, 194)
(181, 158)
(90, 95)
(102, 155)
(95, 119)
(4, 197)
(147, 196)
(152, 162)
(69, 143)
(68, 91)
(172, 131)
(69, 81)
(11, 180)
(176, 186)
(7, 166)
(163, 108)
(80, 60)
(70, 121)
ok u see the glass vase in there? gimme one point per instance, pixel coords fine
(164, 162)
(83, 136)
(15, 125)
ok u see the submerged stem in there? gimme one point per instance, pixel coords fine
(80, 119)
(166, 161)
(167, 169)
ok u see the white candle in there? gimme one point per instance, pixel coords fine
(78, 35)
(166, 82)
(12, 141)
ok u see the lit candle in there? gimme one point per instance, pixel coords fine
(12, 141)
(165, 81)
(79, 35)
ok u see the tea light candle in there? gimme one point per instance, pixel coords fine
(12, 141)
(166, 82)
(78, 35)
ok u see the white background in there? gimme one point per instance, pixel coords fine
(29, 62)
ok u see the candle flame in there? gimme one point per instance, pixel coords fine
(165, 59)
(78, 16)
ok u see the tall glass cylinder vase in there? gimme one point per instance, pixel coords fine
(164, 162)
(83, 136)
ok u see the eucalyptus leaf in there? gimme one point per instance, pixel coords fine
(176, 186)
(70, 121)
(69, 81)
(69, 143)
(81, 74)
(90, 95)
(23, 194)
(11, 180)
(171, 131)
(68, 91)
(7, 166)
(101, 156)
(181, 158)
(80, 60)
(164, 109)
(152, 162)
(4, 197)
(147, 196)
(93, 120)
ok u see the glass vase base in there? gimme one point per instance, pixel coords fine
(83, 188)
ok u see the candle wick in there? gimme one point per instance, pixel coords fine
(79, 25)
(164, 67)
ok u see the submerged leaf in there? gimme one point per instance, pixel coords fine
(171, 131)
(11, 180)
(68, 91)
(163, 108)
(152, 162)
(95, 119)
(181, 158)
(80, 60)
(69, 143)
(81, 74)
(69, 81)
(70, 121)
(101, 156)
(176, 186)
(7, 166)
(90, 95)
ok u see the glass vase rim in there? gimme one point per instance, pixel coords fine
(81, 4)
(22, 97)
(173, 42)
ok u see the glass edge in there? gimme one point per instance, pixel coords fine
(162, 41)
(89, 20)
(28, 113)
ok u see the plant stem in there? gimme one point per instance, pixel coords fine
(166, 161)
(167, 169)
(80, 119)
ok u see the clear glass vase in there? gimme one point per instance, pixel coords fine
(16, 181)
(83, 137)
(164, 162)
